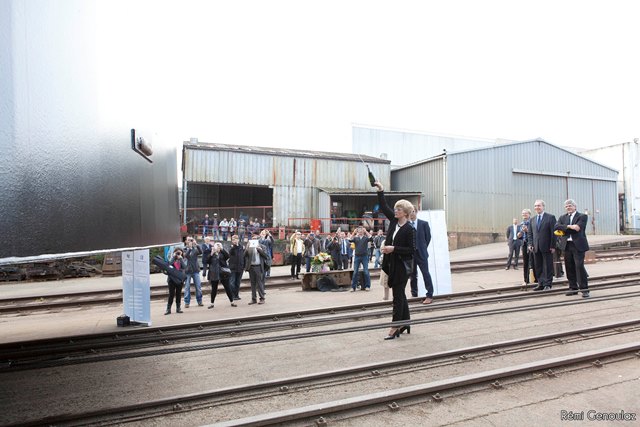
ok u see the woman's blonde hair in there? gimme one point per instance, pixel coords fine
(405, 205)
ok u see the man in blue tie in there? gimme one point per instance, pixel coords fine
(345, 251)
(423, 238)
(542, 242)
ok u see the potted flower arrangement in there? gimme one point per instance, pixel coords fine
(320, 262)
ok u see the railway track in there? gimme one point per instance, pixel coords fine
(375, 374)
(299, 324)
(74, 299)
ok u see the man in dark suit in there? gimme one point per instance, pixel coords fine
(574, 244)
(514, 240)
(421, 258)
(542, 242)
(345, 251)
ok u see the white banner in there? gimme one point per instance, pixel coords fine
(136, 286)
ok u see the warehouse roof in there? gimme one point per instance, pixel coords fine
(493, 147)
(284, 152)
(348, 192)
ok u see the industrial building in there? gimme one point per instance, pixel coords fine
(287, 188)
(482, 190)
(625, 158)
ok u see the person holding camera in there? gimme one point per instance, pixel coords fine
(266, 239)
(191, 253)
(236, 265)
(256, 262)
(178, 262)
(219, 272)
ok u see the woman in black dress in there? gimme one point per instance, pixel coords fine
(399, 247)
(218, 260)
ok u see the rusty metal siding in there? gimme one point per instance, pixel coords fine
(427, 177)
(294, 202)
(261, 169)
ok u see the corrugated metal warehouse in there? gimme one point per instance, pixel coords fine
(482, 190)
(292, 186)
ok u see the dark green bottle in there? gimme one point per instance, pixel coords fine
(372, 179)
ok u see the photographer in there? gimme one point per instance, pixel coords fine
(191, 252)
(175, 286)
(267, 240)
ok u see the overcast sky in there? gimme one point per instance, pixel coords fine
(298, 74)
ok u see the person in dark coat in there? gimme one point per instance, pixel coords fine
(421, 258)
(217, 261)
(574, 244)
(178, 262)
(399, 250)
(514, 241)
(334, 251)
(236, 265)
(542, 242)
(256, 261)
(206, 254)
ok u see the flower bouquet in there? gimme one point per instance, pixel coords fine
(320, 262)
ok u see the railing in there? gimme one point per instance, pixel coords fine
(329, 225)
(195, 216)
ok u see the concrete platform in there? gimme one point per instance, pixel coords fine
(75, 321)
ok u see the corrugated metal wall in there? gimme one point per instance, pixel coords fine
(486, 189)
(427, 178)
(260, 169)
(295, 180)
(485, 194)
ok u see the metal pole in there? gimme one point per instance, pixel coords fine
(184, 200)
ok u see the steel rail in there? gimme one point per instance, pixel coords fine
(389, 396)
(155, 334)
(34, 303)
(190, 331)
(115, 295)
(296, 381)
(69, 357)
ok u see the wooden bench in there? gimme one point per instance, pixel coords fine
(341, 277)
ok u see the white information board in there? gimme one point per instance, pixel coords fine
(136, 286)
(439, 266)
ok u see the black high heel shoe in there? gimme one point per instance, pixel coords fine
(396, 334)
(406, 328)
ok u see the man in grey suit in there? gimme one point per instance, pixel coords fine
(421, 259)
(542, 242)
(514, 240)
(574, 244)
(256, 261)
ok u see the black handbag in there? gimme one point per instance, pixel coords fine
(408, 266)
(225, 272)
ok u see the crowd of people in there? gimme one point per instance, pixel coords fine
(224, 229)
(543, 241)
(400, 253)
(220, 266)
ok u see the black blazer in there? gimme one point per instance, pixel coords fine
(399, 263)
(423, 238)
(542, 238)
(579, 238)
